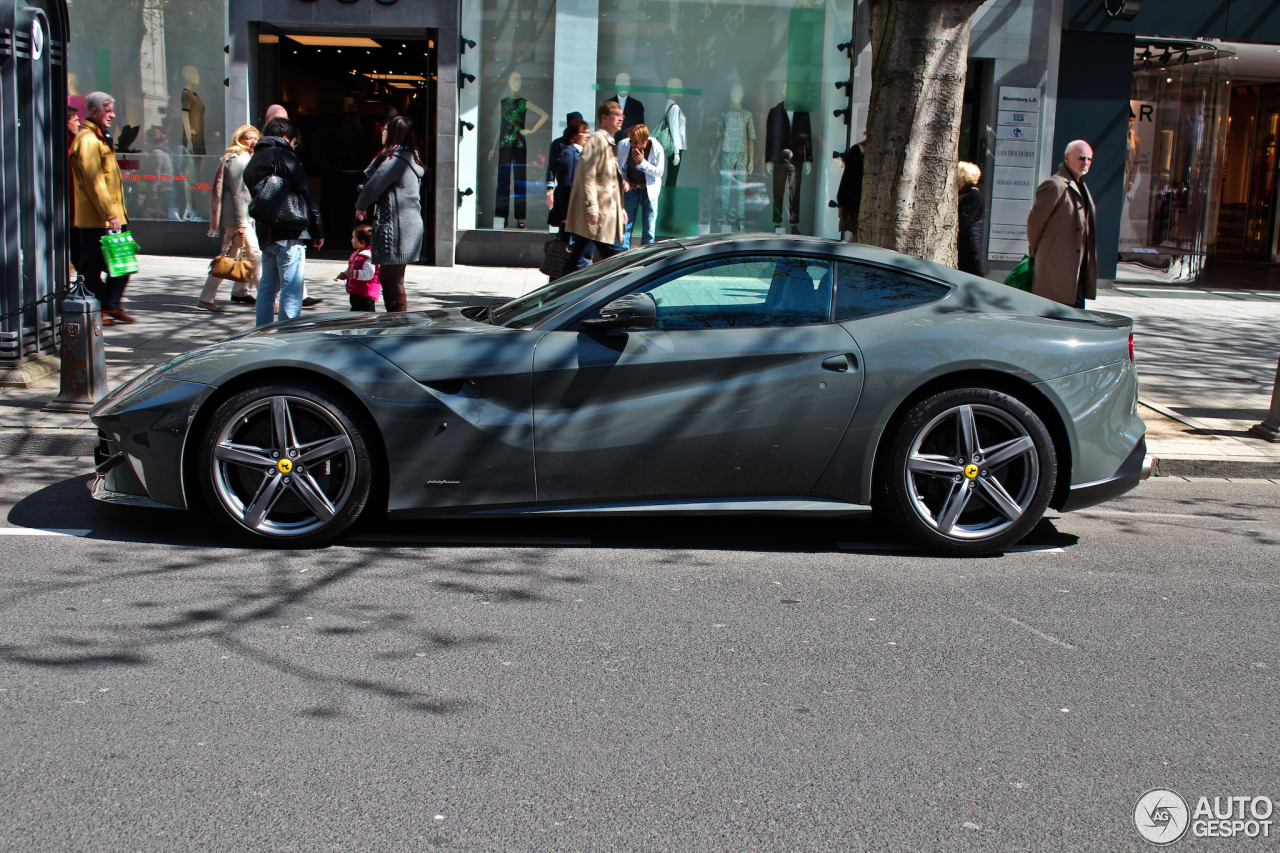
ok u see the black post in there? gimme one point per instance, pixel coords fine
(84, 363)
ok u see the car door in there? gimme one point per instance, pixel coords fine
(743, 387)
(467, 438)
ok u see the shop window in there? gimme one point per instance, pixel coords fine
(1178, 121)
(742, 96)
(163, 62)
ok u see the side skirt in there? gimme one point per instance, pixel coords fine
(793, 507)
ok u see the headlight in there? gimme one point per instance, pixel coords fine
(143, 380)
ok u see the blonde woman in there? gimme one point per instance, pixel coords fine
(969, 232)
(643, 161)
(229, 210)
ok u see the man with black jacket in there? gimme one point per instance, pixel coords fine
(283, 252)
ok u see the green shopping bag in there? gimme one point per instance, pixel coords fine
(1023, 274)
(120, 252)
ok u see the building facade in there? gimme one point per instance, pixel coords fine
(1181, 101)
(758, 99)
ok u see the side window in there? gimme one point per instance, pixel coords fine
(864, 290)
(751, 291)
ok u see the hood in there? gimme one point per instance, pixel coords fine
(412, 323)
(273, 142)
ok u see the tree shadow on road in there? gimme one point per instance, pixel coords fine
(347, 621)
(180, 585)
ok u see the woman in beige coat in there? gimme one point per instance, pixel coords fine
(229, 211)
(595, 202)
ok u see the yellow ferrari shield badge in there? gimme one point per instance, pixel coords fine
(285, 466)
(970, 471)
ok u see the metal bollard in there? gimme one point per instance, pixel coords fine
(84, 363)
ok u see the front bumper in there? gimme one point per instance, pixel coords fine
(1135, 468)
(141, 439)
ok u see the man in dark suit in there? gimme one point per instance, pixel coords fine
(788, 142)
(632, 110)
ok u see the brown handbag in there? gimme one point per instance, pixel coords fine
(233, 269)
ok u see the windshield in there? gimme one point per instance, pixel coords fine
(533, 308)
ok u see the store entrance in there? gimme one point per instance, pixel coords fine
(1247, 221)
(340, 91)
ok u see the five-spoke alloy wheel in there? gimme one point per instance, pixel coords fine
(969, 471)
(285, 465)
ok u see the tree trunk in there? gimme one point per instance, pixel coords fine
(919, 53)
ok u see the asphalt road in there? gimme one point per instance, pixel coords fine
(645, 685)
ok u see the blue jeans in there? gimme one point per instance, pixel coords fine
(282, 273)
(639, 199)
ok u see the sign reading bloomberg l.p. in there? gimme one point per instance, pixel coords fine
(1013, 186)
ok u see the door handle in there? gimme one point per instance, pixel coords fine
(838, 363)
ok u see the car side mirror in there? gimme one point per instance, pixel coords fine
(633, 312)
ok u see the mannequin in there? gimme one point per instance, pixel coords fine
(675, 119)
(736, 157)
(632, 110)
(192, 112)
(511, 149)
(788, 143)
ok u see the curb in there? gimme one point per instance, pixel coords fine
(1231, 469)
(48, 442)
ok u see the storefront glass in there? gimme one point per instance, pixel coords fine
(744, 82)
(1177, 131)
(163, 61)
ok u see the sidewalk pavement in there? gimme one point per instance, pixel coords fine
(1207, 365)
(1207, 360)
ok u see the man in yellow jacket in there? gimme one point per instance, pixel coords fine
(99, 203)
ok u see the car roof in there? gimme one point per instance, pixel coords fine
(745, 241)
(981, 291)
(757, 237)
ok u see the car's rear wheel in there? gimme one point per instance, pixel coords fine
(285, 465)
(969, 471)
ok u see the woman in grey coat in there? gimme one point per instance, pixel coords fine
(393, 187)
(229, 210)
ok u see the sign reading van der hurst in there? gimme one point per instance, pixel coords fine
(1013, 186)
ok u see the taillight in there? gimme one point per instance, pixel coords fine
(1131, 347)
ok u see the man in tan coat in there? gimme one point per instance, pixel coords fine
(595, 200)
(1061, 232)
(99, 203)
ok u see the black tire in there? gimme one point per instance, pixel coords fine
(966, 507)
(285, 466)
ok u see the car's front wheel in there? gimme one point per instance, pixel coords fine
(969, 471)
(285, 465)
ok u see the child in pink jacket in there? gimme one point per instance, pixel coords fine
(361, 274)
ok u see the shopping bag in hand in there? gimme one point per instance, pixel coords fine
(1023, 274)
(236, 268)
(120, 253)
